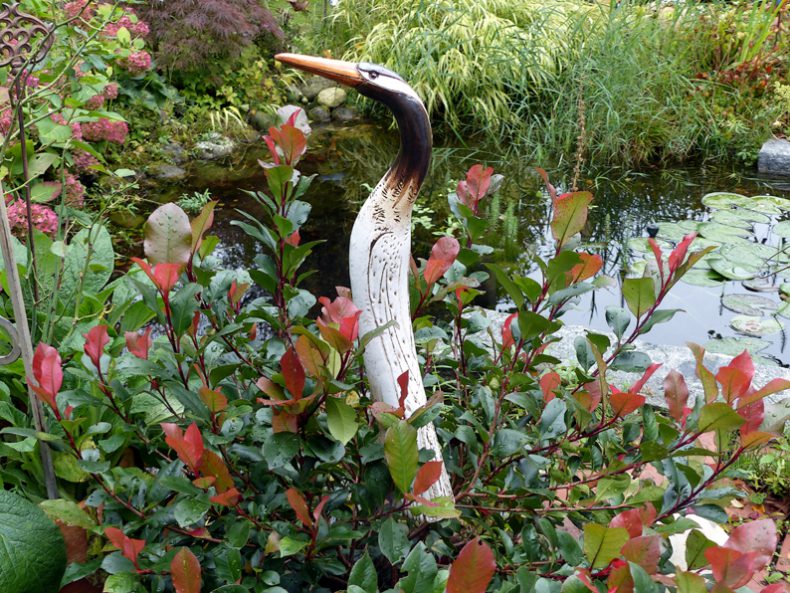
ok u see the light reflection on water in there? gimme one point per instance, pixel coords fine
(348, 161)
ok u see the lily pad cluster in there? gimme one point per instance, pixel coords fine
(751, 240)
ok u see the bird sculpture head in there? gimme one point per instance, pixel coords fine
(389, 88)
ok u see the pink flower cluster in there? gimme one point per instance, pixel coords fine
(137, 29)
(83, 161)
(6, 121)
(76, 128)
(75, 191)
(105, 129)
(44, 218)
(109, 93)
(78, 7)
(95, 102)
(137, 62)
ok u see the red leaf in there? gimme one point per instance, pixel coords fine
(427, 476)
(589, 267)
(185, 571)
(637, 387)
(773, 386)
(188, 447)
(130, 548)
(624, 402)
(676, 394)
(318, 510)
(229, 498)
(95, 341)
(631, 520)
(753, 414)
(775, 588)
(645, 551)
(139, 344)
(293, 239)
(215, 400)
(507, 332)
(403, 383)
(48, 373)
(344, 315)
(679, 253)
(548, 383)
(475, 187)
(291, 143)
(293, 373)
(272, 149)
(164, 276)
(299, 505)
(473, 569)
(443, 254)
(658, 255)
(213, 466)
(730, 567)
(736, 377)
(759, 537)
(570, 215)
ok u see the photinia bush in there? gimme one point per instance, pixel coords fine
(231, 445)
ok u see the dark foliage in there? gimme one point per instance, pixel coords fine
(193, 36)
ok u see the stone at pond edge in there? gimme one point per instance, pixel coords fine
(261, 121)
(331, 97)
(165, 172)
(214, 146)
(344, 114)
(775, 157)
(312, 86)
(175, 153)
(319, 115)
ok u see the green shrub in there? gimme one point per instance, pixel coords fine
(238, 450)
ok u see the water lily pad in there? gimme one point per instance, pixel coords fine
(731, 271)
(782, 229)
(671, 231)
(723, 200)
(749, 304)
(733, 218)
(768, 204)
(760, 284)
(784, 311)
(641, 245)
(751, 255)
(702, 277)
(757, 327)
(722, 233)
(734, 346)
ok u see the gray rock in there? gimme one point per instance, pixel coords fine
(331, 97)
(774, 157)
(261, 121)
(175, 152)
(319, 115)
(314, 85)
(165, 172)
(777, 406)
(344, 114)
(214, 146)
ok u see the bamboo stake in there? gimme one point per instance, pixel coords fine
(25, 343)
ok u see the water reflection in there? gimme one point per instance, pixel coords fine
(349, 161)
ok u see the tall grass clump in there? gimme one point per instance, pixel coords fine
(654, 82)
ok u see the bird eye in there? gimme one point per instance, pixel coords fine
(374, 75)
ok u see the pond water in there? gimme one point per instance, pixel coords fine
(348, 161)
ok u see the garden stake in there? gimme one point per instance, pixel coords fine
(17, 51)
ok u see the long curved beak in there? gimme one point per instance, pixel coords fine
(343, 72)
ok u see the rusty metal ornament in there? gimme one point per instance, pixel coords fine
(19, 34)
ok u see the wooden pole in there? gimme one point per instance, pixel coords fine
(25, 343)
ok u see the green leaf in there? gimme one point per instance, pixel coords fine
(190, 510)
(32, 550)
(718, 416)
(631, 361)
(660, 316)
(569, 548)
(618, 319)
(696, 544)
(639, 294)
(401, 454)
(67, 512)
(552, 421)
(642, 581)
(342, 419)
(364, 575)
(125, 582)
(393, 540)
(168, 235)
(420, 569)
(689, 582)
(602, 544)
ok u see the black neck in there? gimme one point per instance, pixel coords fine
(416, 140)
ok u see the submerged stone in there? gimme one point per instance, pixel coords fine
(332, 97)
(214, 146)
(344, 114)
(775, 157)
(319, 115)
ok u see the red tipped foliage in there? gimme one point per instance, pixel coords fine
(185, 572)
(475, 187)
(139, 344)
(443, 254)
(188, 446)
(473, 569)
(95, 341)
(48, 373)
(130, 548)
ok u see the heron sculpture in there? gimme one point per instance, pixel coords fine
(380, 246)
